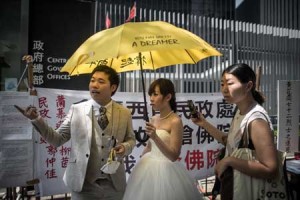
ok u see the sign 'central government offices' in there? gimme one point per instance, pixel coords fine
(54, 38)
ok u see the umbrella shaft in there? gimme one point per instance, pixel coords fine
(144, 91)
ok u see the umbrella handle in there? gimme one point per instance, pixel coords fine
(138, 136)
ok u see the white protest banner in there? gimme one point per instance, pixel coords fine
(198, 147)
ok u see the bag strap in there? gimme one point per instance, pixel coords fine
(245, 141)
(288, 190)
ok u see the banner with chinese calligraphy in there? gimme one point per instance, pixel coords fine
(288, 115)
(198, 147)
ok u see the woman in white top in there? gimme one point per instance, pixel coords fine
(238, 87)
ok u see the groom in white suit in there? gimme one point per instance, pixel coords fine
(89, 143)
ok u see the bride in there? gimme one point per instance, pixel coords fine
(158, 175)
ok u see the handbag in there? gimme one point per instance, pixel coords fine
(217, 184)
(237, 185)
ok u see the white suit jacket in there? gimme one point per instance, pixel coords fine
(78, 127)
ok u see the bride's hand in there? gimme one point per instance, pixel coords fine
(150, 130)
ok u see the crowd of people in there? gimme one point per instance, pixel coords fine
(158, 174)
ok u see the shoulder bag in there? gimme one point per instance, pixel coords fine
(238, 186)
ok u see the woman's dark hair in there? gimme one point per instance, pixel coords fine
(113, 76)
(166, 87)
(245, 73)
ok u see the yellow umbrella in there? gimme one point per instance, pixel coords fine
(139, 46)
(160, 43)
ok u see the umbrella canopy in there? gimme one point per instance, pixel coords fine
(139, 46)
(160, 44)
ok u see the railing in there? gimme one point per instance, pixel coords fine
(276, 50)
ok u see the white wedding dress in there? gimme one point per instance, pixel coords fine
(155, 177)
